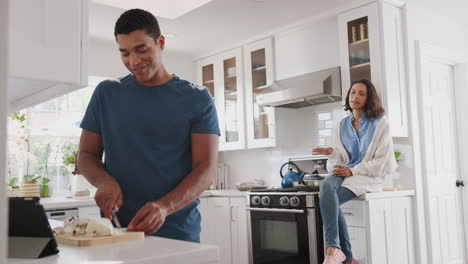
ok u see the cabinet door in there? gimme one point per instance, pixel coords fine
(220, 220)
(205, 221)
(47, 40)
(259, 75)
(401, 248)
(394, 69)
(222, 74)
(372, 47)
(209, 75)
(359, 37)
(231, 101)
(239, 230)
(358, 239)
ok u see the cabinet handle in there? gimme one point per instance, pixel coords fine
(233, 211)
(347, 213)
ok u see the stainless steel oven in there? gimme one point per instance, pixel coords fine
(285, 228)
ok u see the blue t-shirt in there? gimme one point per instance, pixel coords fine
(356, 144)
(146, 134)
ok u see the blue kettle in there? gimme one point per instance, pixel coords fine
(291, 176)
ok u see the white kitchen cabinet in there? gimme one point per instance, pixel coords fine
(234, 79)
(309, 47)
(239, 230)
(259, 74)
(224, 223)
(89, 212)
(372, 47)
(47, 50)
(222, 74)
(217, 222)
(381, 230)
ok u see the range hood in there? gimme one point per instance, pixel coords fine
(304, 90)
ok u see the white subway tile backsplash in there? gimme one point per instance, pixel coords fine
(264, 164)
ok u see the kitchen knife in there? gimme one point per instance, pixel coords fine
(115, 219)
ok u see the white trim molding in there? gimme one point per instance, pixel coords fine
(3, 125)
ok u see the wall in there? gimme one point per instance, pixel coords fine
(264, 164)
(104, 60)
(430, 26)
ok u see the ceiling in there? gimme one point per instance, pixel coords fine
(219, 23)
(222, 23)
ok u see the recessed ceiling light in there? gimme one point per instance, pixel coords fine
(160, 8)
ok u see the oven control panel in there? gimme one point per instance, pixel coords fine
(281, 200)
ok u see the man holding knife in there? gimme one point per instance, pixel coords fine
(159, 134)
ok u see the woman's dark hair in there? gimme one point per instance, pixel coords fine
(137, 19)
(373, 107)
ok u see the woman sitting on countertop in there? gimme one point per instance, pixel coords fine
(364, 146)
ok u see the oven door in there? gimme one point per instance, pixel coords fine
(279, 236)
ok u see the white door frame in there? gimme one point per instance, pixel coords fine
(3, 125)
(453, 58)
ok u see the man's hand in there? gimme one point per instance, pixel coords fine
(109, 196)
(342, 171)
(149, 218)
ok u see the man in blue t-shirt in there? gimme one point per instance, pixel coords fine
(159, 134)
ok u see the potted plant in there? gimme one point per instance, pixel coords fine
(28, 185)
(78, 182)
(45, 187)
(13, 187)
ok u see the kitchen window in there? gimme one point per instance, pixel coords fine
(49, 127)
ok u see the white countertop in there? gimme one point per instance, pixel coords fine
(64, 202)
(227, 192)
(386, 194)
(154, 250)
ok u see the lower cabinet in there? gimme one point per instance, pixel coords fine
(224, 223)
(381, 230)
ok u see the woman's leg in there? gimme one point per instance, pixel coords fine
(344, 195)
(329, 209)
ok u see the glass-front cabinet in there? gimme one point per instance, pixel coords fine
(223, 76)
(259, 75)
(372, 47)
(358, 43)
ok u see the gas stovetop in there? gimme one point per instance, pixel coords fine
(294, 189)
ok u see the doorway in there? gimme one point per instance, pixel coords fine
(440, 158)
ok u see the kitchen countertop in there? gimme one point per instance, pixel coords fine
(226, 192)
(386, 194)
(64, 202)
(154, 250)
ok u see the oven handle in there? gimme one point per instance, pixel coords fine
(292, 211)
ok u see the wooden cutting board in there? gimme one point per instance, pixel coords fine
(93, 241)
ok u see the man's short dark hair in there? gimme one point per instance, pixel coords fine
(137, 19)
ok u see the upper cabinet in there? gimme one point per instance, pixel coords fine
(234, 79)
(372, 47)
(47, 49)
(223, 76)
(259, 75)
